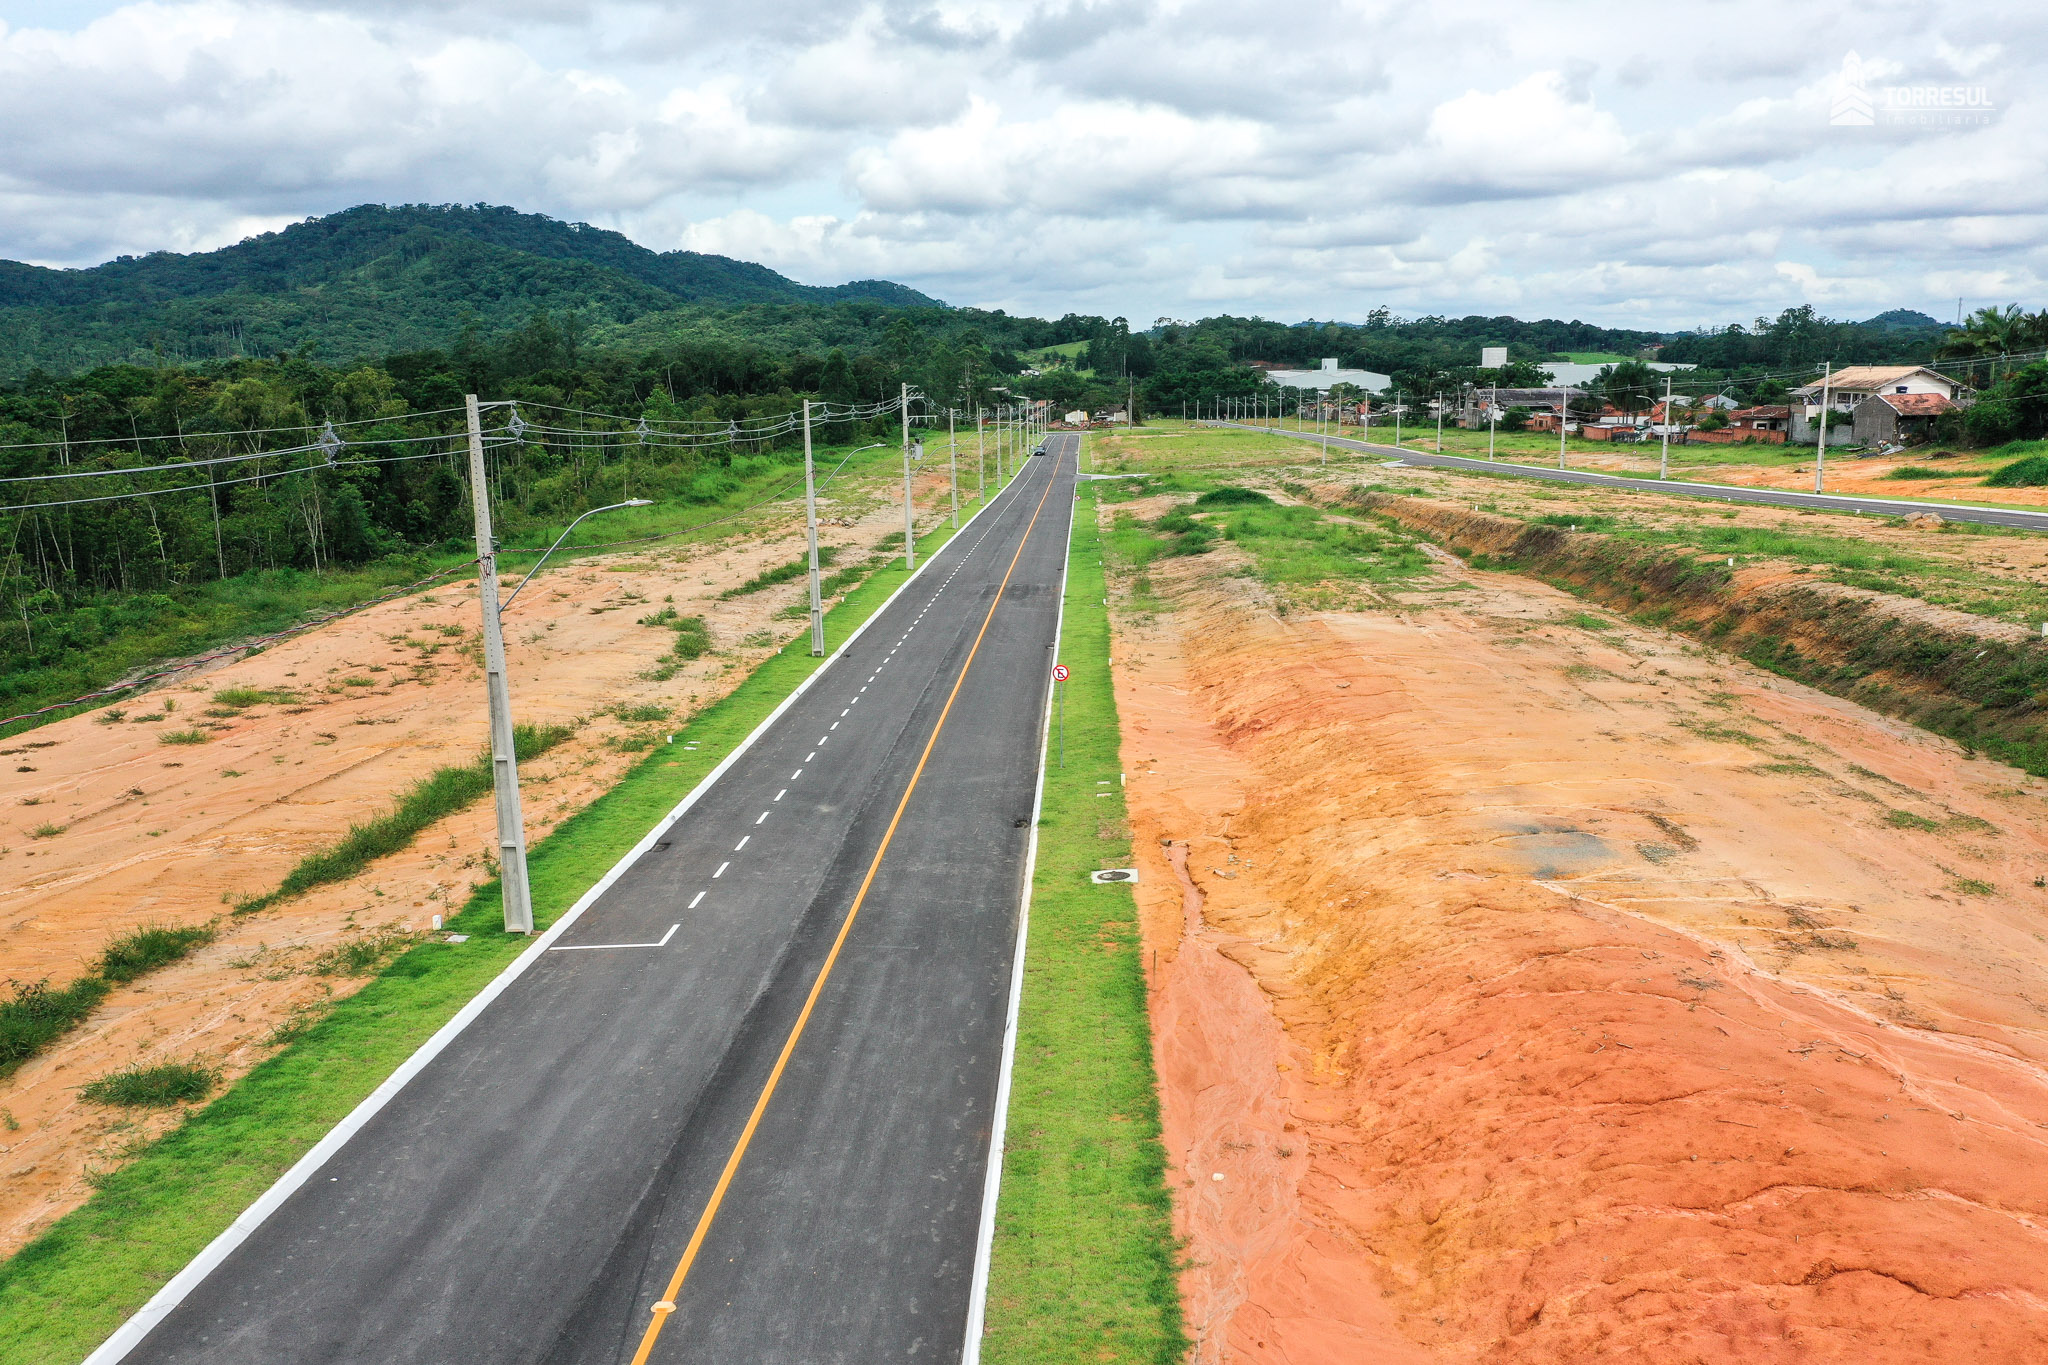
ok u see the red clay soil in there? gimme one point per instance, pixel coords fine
(1532, 992)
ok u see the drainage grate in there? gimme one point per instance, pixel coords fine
(1114, 874)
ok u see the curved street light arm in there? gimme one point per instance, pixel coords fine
(506, 605)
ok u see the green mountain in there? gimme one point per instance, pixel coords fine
(371, 280)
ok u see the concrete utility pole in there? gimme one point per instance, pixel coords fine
(1664, 449)
(953, 467)
(516, 893)
(1564, 410)
(1820, 454)
(811, 530)
(980, 456)
(1492, 410)
(909, 529)
(1397, 419)
(1439, 424)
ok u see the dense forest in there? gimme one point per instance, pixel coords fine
(369, 280)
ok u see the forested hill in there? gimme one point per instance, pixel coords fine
(368, 281)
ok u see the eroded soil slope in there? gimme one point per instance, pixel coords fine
(1533, 987)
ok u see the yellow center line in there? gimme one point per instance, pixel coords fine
(667, 1304)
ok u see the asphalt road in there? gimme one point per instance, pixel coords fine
(1884, 507)
(527, 1197)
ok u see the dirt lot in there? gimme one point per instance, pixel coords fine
(1532, 987)
(154, 833)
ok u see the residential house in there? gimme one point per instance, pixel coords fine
(1896, 418)
(1541, 403)
(1854, 384)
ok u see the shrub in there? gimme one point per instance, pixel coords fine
(148, 948)
(1228, 496)
(152, 1087)
(2031, 472)
(36, 1015)
(1920, 471)
(182, 737)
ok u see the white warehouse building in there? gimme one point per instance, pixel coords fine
(1321, 380)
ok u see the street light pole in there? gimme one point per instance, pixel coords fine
(1397, 419)
(1664, 449)
(1564, 410)
(953, 467)
(811, 529)
(980, 456)
(1820, 454)
(512, 883)
(1492, 415)
(909, 530)
(1439, 424)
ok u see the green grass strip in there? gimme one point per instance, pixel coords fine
(62, 1294)
(1085, 1264)
(440, 793)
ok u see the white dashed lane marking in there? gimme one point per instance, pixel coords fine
(742, 843)
(758, 819)
(721, 871)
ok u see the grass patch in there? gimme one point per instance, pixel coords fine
(1920, 471)
(62, 1294)
(2028, 472)
(152, 1087)
(1905, 819)
(693, 641)
(183, 737)
(37, 1016)
(442, 792)
(1229, 496)
(1084, 1262)
(148, 948)
(241, 698)
(1585, 620)
(782, 573)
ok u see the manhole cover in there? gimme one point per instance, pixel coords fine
(1114, 874)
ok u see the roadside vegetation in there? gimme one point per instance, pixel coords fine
(440, 793)
(36, 1014)
(64, 1292)
(1085, 1264)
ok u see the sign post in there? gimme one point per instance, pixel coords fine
(1059, 677)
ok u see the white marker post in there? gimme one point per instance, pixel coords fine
(1059, 679)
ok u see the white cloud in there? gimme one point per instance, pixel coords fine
(1142, 158)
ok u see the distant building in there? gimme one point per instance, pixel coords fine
(1852, 385)
(1328, 376)
(1573, 375)
(1076, 418)
(1896, 418)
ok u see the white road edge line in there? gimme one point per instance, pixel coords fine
(985, 1239)
(129, 1334)
(586, 947)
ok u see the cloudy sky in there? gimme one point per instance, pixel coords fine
(1627, 163)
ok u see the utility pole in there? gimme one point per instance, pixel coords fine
(980, 456)
(811, 529)
(1820, 454)
(1492, 415)
(1439, 423)
(1397, 419)
(909, 528)
(1564, 410)
(1664, 450)
(953, 467)
(512, 883)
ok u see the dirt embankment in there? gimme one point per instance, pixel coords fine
(1977, 680)
(105, 828)
(1525, 991)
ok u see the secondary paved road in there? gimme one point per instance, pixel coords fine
(528, 1196)
(1885, 507)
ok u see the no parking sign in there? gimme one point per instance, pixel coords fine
(1059, 673)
